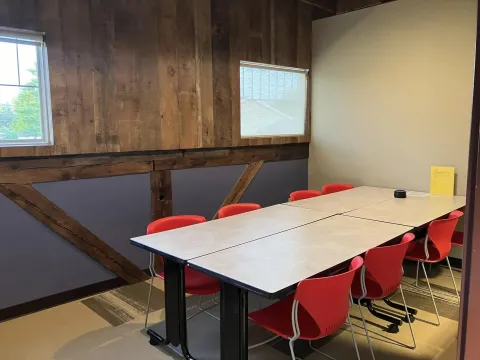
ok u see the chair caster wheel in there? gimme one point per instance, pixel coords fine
(393, 329)
(153, 341)
(412, 319)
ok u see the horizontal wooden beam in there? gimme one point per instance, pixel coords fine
(10, 175)
(241, 185)
(71, 230)
(29, 171)
(326, 5)
(344, 6)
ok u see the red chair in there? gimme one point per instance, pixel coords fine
(333, 188)
(304, 194)
(317, 309)
(196, 283)
(457, 239)
(380, 279)
(435, 248)
(236, 209)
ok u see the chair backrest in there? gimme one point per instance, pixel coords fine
(304, 194)
(327, 299)
(333, 188)
(235, 209)
(440, 233)
(174, 222)
(384, 265)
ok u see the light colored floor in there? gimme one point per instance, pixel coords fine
(75, 332)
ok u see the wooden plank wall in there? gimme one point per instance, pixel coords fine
(136, 75)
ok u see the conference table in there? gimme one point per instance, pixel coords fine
(268, 251)
(416, 210)
(179, 246)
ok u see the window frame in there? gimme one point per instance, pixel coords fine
(27, 37)
(265, 66)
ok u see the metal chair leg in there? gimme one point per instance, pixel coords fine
(148, 302)
(353, 336)
(291, 343)
(407, 313)
(151, 267)
(453, 279)
(366, 330)
(416, 278)
(431, 292)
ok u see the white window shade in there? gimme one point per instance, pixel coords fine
(273, 100)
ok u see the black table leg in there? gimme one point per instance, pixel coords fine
(175, 309)
(233, 323)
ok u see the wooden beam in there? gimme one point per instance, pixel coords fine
(71, 230)
(29, 171)
(326, 5)
(30, 176)
(344, 6)
(161, 193)
(161, 190)
(241, 185)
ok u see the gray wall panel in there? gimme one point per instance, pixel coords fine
(201, 191)
(35, 262)
(115, 209)
(276, 180)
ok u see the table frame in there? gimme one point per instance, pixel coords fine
(175, 309)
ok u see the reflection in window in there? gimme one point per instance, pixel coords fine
(25, 109)
(273, 100)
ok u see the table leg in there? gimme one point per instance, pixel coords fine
(175, 309)
(233, 323)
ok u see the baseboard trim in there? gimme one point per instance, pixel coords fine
(59, 299)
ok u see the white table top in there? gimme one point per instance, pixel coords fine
(347, 200)
(413, 211)
(272, 264)
(198, 240)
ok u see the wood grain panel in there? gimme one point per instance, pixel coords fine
(168, 75)
(142, 75)
(104, 89)
(222, 99)
(204, 75)
(59, 169)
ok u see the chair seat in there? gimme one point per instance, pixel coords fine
(197, 283)
(277, 318)
(416, 252)
(457, 238)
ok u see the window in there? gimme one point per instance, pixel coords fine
(273, 100)
(25, 109)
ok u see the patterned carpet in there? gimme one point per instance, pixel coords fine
(124, 304)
